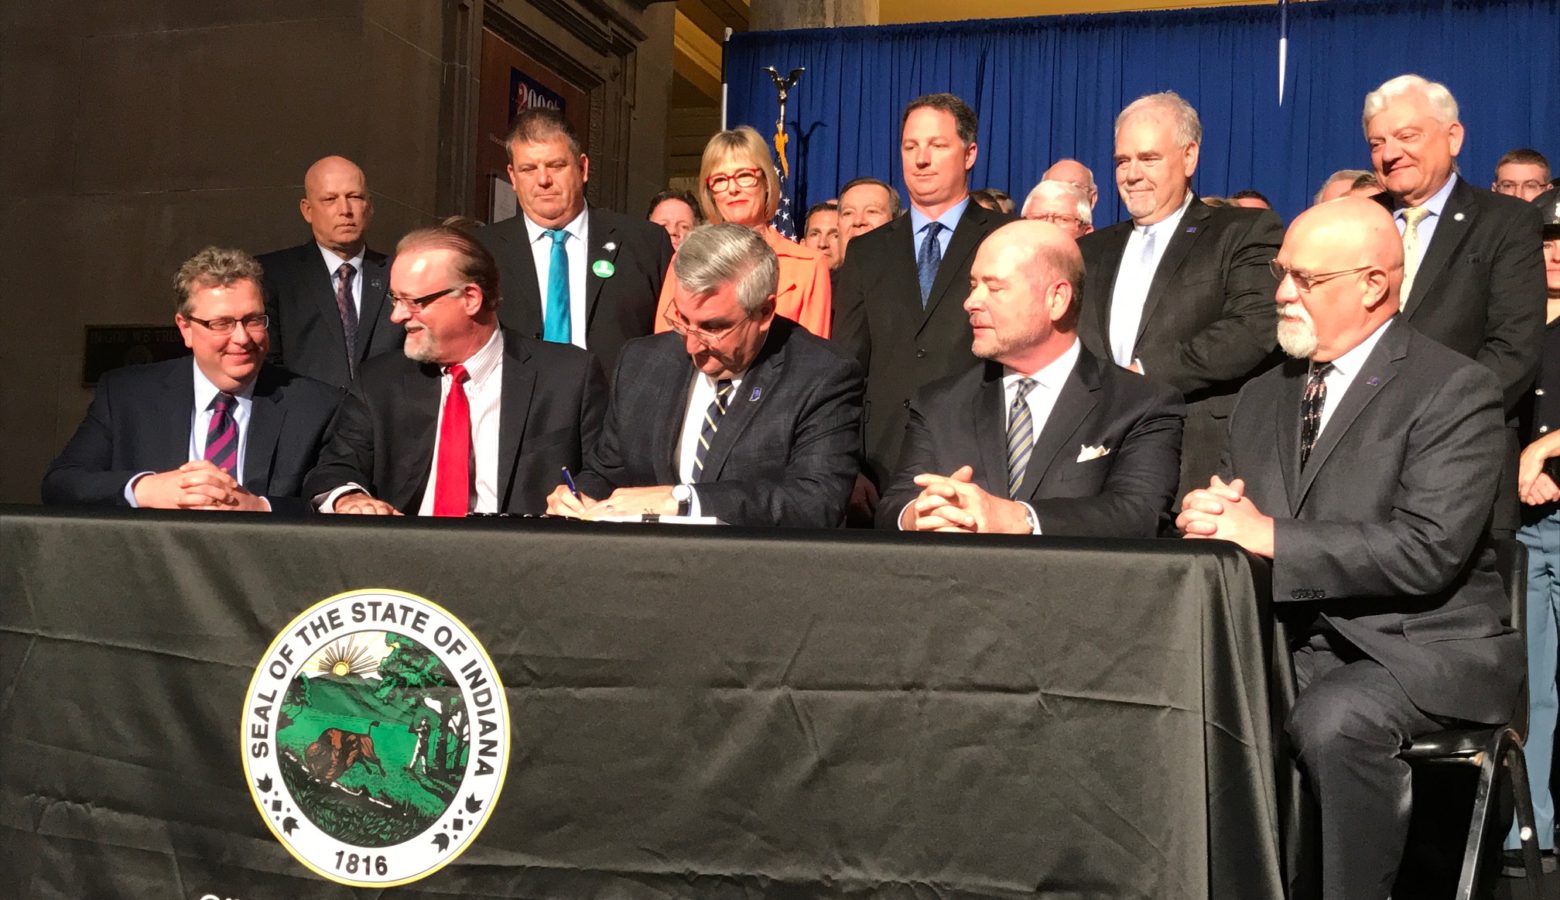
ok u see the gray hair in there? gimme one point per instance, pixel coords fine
(1064, 190)
(1442, 103)
(213, 267)
(1349, 175)
(715, 255)
(1188, 128)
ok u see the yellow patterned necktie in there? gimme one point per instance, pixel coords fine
(1412, 216)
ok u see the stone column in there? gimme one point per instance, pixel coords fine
(774, 15)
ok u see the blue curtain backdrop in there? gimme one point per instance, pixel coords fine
(1048, 88)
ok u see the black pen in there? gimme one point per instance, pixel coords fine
(569, 480)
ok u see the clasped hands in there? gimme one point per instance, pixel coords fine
(198, 484)
(1224, 512)
(955, 503)
(635, 501)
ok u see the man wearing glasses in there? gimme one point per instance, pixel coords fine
(473, 418)
(735, 413)
(1064, 205)
(223, 431)
(1361, 468)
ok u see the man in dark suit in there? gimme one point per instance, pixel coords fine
(1182, 292)
(736, 413)
(472, 418)
(326, 297)
(1473, 260)
(224, 430)
(571, 274)
(1361, 469)
(1043, 438)
(898, 305)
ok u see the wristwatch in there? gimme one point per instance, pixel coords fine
(683, 494)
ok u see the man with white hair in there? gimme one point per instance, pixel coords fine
(1062, 204)
(1181, 292)
(1338, 184)
(1076, 174)
(1473, 267)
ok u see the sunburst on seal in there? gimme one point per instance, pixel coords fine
(345, 656)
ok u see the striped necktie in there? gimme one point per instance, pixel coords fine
(712, 418)
(347, 309)
(1020, 436)
(222, 434)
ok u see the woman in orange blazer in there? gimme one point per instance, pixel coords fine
(738, 184)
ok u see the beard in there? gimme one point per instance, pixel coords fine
(423, 348)
(1297, 334)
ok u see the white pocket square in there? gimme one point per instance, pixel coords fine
(1086, 453)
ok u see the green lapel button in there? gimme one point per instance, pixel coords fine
(603, 268)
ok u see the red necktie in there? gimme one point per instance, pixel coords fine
(452, 481)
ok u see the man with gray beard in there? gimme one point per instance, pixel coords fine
(1361, 468)
(473, 418)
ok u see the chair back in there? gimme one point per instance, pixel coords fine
(1511, 561)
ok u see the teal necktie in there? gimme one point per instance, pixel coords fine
(557, 327)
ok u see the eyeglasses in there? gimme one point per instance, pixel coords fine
(1059, 219)
(708, 338)
(1304, 281)
(1512, 187)
(744, 178)
(414, 304)
(226, 324)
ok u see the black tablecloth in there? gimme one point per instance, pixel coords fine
(695, 712)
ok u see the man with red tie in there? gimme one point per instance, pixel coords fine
(473, 417)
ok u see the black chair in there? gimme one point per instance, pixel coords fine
(1495, 752)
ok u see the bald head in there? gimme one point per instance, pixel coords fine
(336, 205)
(1349, 254)
(1025, 281)
(1076, 174)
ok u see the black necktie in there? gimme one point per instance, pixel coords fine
(1311, 403)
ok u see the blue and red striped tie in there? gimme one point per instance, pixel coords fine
(222, 435)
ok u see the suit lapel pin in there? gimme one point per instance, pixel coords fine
(1458, 217)
(757, 392)
(1191, 229)
(1372, 381)
(603, 268)
(609, 246)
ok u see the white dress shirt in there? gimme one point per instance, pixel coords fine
(1041, 399)
(484, 393)
(1344, 368)
(1435, 203)
(200, 423)
(333, 263)
(577, 246)
(1134, 277)
(700, 396)
(484, 389)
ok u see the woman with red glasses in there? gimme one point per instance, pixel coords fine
(738, 184)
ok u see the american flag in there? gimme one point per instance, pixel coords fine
(783, 221)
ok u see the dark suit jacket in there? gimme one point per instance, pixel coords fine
(1209, 322)
(1383, 532)
(878, 318)
(139, 421)
(617, 308)
(306, 333)
(550, 408)
(1126, 493)
(787, 450)
(1480, 285)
